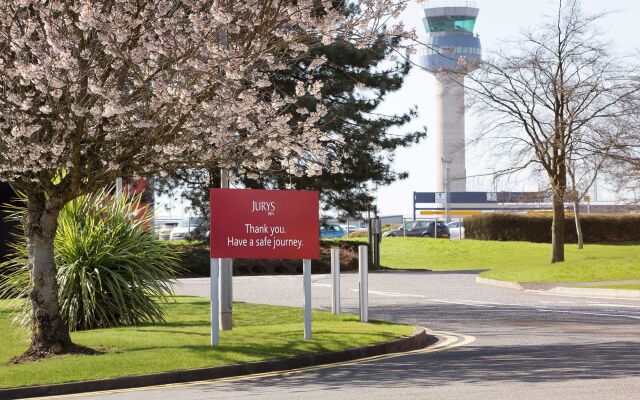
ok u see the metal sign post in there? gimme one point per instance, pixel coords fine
(377, 238)
(215, 311)
(226, 276)
(335, 280)
(119, 186)
(262, 224)
(306, 272)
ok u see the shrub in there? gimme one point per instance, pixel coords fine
(358, 234)
(597, 228)
(195, 260)
(110, 271)
(365, 233)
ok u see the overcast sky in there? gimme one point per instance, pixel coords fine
(498, 19)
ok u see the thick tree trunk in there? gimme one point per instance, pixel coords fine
(49, 334)
(557, 228)
(576, 213)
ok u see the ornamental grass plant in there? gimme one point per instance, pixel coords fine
(111, 271)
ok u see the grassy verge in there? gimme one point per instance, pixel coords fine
(515, 261)
(260, 332)
(623, 287)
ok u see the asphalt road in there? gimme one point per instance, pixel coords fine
(527, 345)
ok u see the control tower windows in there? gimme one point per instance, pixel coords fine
(449, 23)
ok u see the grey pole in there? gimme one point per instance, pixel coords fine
(447, 196)
(378, 239)
(335, 280)
(435, 228)
(306, 272)
(226, 276)
(414, 207)
(119, 186)
(364, 282)
(215, 270)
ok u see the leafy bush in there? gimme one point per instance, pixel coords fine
(358, 234)
(597, 228)
(110, 271)
(365, 233)
(390, 227)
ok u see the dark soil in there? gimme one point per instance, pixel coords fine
(33, 354)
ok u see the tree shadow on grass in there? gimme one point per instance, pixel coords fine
(287, 344)
(617, 244)
(185, 332)
(178, 324)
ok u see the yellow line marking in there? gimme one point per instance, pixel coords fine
(446, 340)
(452, 212)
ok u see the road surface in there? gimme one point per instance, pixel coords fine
(527, 345)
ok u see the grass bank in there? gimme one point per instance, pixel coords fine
(515, 261)
(623, 287)
(260, 332)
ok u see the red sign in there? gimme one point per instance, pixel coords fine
(247, 223)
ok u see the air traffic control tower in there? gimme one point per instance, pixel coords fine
(452, 50)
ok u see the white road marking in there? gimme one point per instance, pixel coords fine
(575, 296)
(497, 304)
(461, 303)
(390, 294)
(589, 313)
(612, 305)
(556, 302)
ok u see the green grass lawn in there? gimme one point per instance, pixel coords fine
(515, 261)
(260, 332)
(623, 287)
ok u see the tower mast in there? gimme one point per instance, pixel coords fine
(452, 50)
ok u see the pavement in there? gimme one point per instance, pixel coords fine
(519, 345)
(580, 289)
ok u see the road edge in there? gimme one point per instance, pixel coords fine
(596, 292)
(566, 291)
(501, 284)
(418, 340)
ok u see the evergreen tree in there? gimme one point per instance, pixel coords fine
(356, 81)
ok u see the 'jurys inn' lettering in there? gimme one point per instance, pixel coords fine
(268, 206)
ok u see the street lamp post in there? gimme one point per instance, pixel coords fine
(447, 195)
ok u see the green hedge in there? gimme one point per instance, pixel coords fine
(597, 228)
(195, 260)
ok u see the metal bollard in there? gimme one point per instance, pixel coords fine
(215, 272)
(364, 282)
(306, 271)
(335, 280)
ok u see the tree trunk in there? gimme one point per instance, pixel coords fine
(557, 228)
(49, 334)
(576, 213)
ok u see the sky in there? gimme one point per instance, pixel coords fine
(498, 19)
